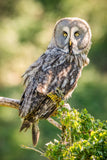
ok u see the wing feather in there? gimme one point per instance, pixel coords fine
(45, 75)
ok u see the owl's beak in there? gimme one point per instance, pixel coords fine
(70, 46)
(70, 43)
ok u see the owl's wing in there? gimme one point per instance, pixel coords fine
(45, 75)
(32, 70)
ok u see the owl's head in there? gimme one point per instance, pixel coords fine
(73, 35)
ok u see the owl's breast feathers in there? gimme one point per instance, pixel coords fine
(54, 70)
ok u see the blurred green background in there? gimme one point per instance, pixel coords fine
(25, 31)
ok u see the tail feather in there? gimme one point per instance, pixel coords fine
(35, 134)
(25, 125)
(35, 130)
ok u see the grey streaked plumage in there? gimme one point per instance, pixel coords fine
(57, 69)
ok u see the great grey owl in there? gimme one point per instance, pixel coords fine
(54, 75)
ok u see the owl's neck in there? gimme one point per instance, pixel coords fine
(81, 60)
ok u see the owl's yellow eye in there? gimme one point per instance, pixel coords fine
(76, 34)
(65, 34)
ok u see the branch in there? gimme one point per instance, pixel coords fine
(8, 102)
(14, 103)
(55, 123)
